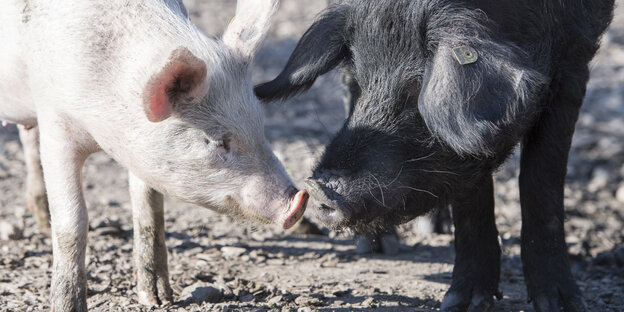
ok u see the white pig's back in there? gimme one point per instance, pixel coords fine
(16, 104)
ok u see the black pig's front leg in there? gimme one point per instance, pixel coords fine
(547, 271)
(477, 252)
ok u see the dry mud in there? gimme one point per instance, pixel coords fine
(237, 266)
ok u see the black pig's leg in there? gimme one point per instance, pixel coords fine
(477, 252)
(543, 168)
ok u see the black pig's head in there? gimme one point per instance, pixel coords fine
(438, 100)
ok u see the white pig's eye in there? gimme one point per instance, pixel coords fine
(224, 143)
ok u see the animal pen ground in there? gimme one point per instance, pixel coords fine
(217, 263)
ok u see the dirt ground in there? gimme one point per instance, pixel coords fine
(220, 264)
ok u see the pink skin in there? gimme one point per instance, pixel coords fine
(296, 209)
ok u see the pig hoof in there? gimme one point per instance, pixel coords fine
(151, 299)
(148, 298)
(548, 303)
(456, 302)
(158, 293)
(366, 244)
(390, 244)
(386, 242)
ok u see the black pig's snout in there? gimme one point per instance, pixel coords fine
(329, 208)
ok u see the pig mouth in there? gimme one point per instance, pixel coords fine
(336, 212)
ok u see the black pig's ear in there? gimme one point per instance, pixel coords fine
(321, 48)
(478, 91)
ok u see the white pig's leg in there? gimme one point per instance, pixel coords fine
(36, 198)
(63, 152)
(150, 252)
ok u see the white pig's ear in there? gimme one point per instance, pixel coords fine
(181, 79)
(249, 26)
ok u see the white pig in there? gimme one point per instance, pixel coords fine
(138, 80)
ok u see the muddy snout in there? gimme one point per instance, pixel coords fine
(296, 208)
(328, 208)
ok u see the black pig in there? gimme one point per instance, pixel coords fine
(441, 93)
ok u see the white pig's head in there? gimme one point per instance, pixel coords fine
(208, 128)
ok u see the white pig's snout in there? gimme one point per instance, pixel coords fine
(296, 208)
(284, 208)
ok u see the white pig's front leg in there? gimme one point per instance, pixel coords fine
(63, 152)
(150, 252)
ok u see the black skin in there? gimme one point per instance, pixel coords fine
(425, 131)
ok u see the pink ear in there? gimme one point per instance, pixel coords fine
(181, 78)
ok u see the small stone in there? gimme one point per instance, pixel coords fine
(371, 302)
(258, 237)
(308, 301)
(201, 293)
(619, 194)
(246, 297)
(600, 179)
(108, 230)
(275, 300)
(232, 252)
(10, 231)
(304, 309)
(342, 292)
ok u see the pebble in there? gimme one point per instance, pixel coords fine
(275, 300)
(600, 179)
(246, 297)
(10, 231)
(231, 252)
(342, 292)
(370, 302)
(619, 194)
(201, 293)
(308, 301)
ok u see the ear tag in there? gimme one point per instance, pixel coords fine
(465, 54)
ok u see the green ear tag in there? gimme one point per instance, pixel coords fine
(465, 55)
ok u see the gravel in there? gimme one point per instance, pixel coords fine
(220, 264)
